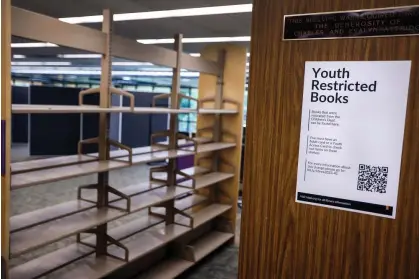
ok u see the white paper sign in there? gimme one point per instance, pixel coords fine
(351, 136)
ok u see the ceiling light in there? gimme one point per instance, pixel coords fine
(34, 63)
(197, 40)
(195, 54)
(72, 71)
(18, 56)
(25, 45)
(247, 64)
(79, 56)
(131, 63)
(248, 54)
(216, 10)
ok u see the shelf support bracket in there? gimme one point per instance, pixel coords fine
(109, 189)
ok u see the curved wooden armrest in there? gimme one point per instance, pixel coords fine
(85, 141)
(161, 96)
(87, 92)
(183, 96)
(112, 90)
(120, 92)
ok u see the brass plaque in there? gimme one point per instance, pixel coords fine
(399, 21)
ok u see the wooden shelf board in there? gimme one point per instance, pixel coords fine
(37, 217)
(24, 109)
(209, 242)
(60, 173)
(183, 142)
(217, 111)
(43, 215)
(208, 179)
(157, 156)
(50, 262)
(137, 189)
(57, 109)
(173, 267)
(90, 267)
(209, 147)
(64, 256)
(191, 201)
(31, 165)
(153, 197)
(196, 170)
(167, 269)
(204, 215)
(53, 231)
(147, 241)
(184, 203)
(24, 241)
(192, 171)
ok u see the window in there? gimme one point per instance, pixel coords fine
(187, 121)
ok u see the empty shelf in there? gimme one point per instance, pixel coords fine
(217, 111)
(50, 262)
(173, 267)
(79, 222)
(54, 174)
(205, 180)
(167, 269)
(35, 237)
(190, 201)
(62, 257)
(157, 156)
(151, 198)
(148, 241)
(183, 142)
(214, 146)
(189, 171)
(208, 243)
(59, 109)
(204, 215)
(23, 109)
(195, 170)
(136, 189)
(59, 161)
(49, 163)
(37, 217)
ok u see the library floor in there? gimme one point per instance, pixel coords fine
(222, 264)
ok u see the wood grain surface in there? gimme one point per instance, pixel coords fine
(6, 103)
(283, 239)
(234, 78)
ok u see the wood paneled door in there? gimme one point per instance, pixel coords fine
(284, 239)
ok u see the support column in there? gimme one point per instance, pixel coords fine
(174, 104)
(6, 103)
(105, 83)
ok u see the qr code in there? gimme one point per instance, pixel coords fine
(372, 178)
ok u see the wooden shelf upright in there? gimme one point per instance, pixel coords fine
(187, 213)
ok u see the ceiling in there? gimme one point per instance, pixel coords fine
(226, 25)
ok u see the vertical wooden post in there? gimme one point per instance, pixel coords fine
(105, 83)
(174, 104)
(6, 103)
(218, 104)
(230, 85)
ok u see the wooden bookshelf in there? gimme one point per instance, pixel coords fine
(173, 203)
(60, 258)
